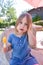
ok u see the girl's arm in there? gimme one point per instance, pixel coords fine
(7, 48)
(32, 37)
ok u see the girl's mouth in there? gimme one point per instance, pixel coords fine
(21, 29)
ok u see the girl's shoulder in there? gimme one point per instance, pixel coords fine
(11, 35)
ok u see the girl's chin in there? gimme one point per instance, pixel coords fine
(20, 32)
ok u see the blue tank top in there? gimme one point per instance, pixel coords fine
(20, 45)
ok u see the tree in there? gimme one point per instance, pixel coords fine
(11, 16)
(8, 10)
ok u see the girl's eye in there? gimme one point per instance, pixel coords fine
(20, 22)
(25, 23)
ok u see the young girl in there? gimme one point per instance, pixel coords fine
(19, 42)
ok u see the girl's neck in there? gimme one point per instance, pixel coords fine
(17, 33)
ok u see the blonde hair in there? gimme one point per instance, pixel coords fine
(28, 17)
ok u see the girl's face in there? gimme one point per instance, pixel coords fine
(22, 26)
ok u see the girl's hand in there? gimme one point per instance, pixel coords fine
(5, 49)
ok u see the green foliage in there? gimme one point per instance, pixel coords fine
(36, 18)
(11, 14)
(1, 20)
(3, 25)
(12, 23)
(39, 23)
(8, 11)
(6, 24)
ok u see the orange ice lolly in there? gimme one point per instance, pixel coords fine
(4, 40)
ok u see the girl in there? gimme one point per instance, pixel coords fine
(19, 42)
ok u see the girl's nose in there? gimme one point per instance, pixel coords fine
(22, 26)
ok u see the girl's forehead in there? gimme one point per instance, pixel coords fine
(24, 19)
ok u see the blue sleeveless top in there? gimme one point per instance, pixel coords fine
(20, 45)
